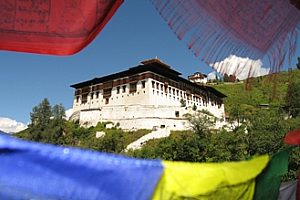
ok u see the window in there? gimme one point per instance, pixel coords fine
(97, 95)
(166, 89)
(161, 87)
(143, 84)
(124, 88)
(92, 95)
(176, 113)
(153, 84)
(77, 99)
(157, 85)
(106, 100)
(118, 90)
(132, 87)
(84, 98)
(107, 92)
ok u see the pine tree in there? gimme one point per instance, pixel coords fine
(58, 111)
(293, 99)
(226, 77)
(41, 114)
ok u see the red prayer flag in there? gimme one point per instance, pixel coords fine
(216, 29)
(59, 27)
(293, 138)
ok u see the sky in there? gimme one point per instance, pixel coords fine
(135, 33)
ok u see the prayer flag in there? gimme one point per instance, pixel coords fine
(52, 26)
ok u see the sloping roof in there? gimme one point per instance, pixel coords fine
(194, 76)
(153, 65)
(156, 67)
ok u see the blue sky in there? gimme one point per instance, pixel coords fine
(136, 32)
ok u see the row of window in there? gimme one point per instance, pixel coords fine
(107, 92)
(198, 102)
(132, 87)
(164, 88)
(85, 97)
(176, 92)
(168, 89)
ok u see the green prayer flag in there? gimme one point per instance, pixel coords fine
(268, 182)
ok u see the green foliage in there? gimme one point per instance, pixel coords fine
(260, 133)
(115, 140)
(47, 123)
(266, 130)
(201, 122)
(183, 146)
(68, 133)
(40, 115)
(188, 146)
(112, 142)
(293, 98)
(58, 111)
(226, 78)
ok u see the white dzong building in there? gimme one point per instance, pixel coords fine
(144, 97)
(198, 77)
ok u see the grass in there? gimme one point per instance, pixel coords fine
(270, 89)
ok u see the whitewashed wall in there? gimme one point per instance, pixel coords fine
(146, 108)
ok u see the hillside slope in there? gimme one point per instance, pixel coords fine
(261, 90)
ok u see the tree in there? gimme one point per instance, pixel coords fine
(236, 114)
(266, 129)
(292, 99)
(298, 64)
(226, 77)
(201, 122)
(232, 78)
(58, 111)
(41, 114)
(47, 123)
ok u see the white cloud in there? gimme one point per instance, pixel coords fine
(213, 75)
(242, 68)
(11, 126)
(69, 112)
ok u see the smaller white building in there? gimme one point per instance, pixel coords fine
(198, 77)
(150, 95)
